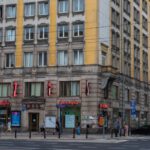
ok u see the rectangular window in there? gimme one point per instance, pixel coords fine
(146, 100)
(5, 89)
(114, 92)
(78, 5)
(43, 8)
(63, 6)
(42, 59)
(28, 59)
(34, 89)
(69, 88)
(103, 58)
(10, 35)
(11, 11)
(28, 33)
(10, 60)
(43, 32)
(63, 31)
(62, 58)
(1, 12)
(78, 30)
(137, 97)
(29, 10)
(78, 57)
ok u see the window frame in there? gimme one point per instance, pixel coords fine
(79, 52)
(13, 37)
(43, 59)
(61, 2)
(44, 3)
(65, 28)
(28, 89)
(66, 89)
(65, 57)
(29, 4)
(29, 32)
(11, 60)
(28, 59)
(12, 6)
(79, 10)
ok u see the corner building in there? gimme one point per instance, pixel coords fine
(62, 58)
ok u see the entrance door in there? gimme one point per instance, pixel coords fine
(34, 121)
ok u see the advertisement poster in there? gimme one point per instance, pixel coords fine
(15, 118)
(50, 122)
(133, 109)
(69, 121)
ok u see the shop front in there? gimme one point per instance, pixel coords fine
(69, 114)
(33, 113)
(5, 113)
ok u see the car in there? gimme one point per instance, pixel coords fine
(143, 130)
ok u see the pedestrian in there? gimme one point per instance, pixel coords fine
(78, 129)
(126, 128)
(57, 126)
(116, 127)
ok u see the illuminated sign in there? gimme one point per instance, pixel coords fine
(15, 118)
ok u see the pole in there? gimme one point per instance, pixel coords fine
(30, 133)
(15, 133)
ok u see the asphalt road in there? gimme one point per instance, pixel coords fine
(143, 144)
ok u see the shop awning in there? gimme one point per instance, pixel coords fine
(4, 103)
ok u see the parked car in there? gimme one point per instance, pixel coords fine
(144, 130)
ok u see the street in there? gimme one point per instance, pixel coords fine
(142, 144)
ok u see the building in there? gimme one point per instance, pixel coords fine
(68, 59)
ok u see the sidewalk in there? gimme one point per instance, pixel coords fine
(67, 137)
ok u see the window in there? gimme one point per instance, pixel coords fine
(114, 92)
(63, 6)
(42, 59)
(11, 11)
(103, 58)
(78, 57)
(43, 32)
(68, 88)
(78, 5)
(5, 89)
(29, 10)
(127, 95)
(43, 9)
(63, 31)
(137, 97)
(28, 33)
(28, 59)
(145, 100)
(1, 35)
(10, 60)
(34, 89)
(10, 35)
(62, 58)
(78, 30)
(1, 12)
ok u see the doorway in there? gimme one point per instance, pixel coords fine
(34, 121)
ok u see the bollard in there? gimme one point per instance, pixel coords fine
(30, 134)
(15, 134)
(73, 133)
(44, 134)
